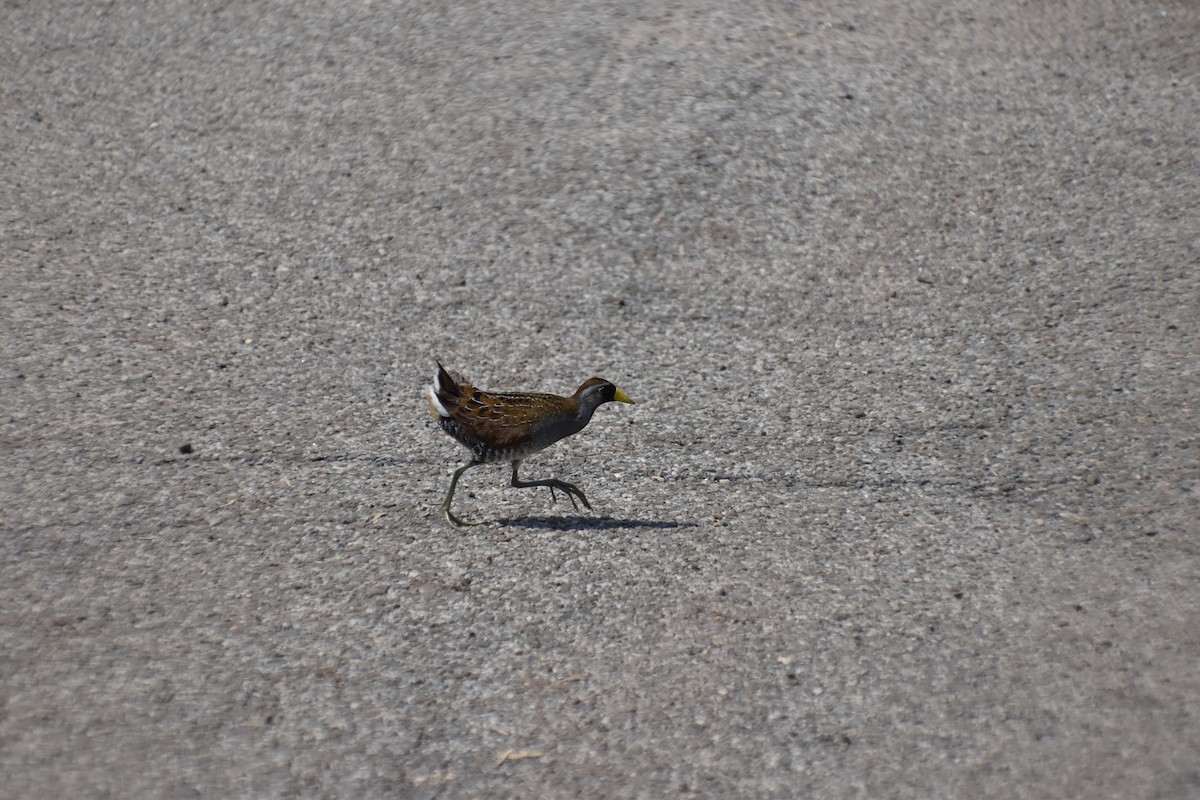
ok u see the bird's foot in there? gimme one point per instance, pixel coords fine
(571, 491)
(455, 521)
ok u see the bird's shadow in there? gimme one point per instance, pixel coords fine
(589, 523)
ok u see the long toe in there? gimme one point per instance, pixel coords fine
(573, 492)
(456, 522)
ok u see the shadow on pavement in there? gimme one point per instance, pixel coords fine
(589, 523)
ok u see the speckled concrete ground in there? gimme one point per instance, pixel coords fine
(908, 296)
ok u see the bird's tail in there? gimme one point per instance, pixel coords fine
(445, 391)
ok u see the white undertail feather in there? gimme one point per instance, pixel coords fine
(435, 405)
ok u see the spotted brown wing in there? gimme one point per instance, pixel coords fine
(507, 420)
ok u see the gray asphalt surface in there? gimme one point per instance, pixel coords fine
(908, 296)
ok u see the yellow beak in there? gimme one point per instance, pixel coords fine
(621, 397)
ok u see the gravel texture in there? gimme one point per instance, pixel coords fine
(908, 295)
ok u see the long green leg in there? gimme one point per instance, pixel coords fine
(453, 520)
(571, 490)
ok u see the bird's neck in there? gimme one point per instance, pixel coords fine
(584, 408)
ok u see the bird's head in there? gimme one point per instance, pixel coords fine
(595, 391)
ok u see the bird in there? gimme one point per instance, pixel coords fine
(511, 426)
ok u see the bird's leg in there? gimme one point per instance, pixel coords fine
(571, 490)
(453, 520)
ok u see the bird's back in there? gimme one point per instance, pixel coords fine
(500, 426)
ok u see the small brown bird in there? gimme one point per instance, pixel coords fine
(511, 426)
